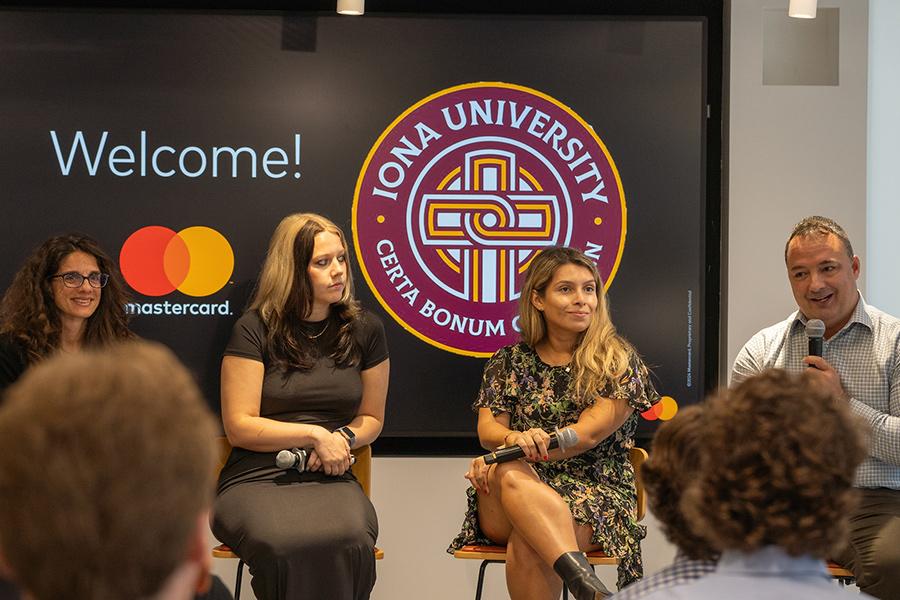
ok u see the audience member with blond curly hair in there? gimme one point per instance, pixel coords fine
(774, 490)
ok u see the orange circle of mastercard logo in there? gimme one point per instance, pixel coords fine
(663, 410)
(197, 261)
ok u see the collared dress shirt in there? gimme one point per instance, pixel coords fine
(682, 570)
(768, 573)
(866, 355)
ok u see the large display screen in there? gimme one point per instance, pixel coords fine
(450, 148)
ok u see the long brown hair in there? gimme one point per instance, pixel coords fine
(30, 315)
(284, 296)
(602, 354)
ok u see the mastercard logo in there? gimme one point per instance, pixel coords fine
(197, 261)
(663, 410)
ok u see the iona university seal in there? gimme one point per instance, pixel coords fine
(462, 191)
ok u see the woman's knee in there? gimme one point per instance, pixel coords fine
(510, 476)
(287, 545)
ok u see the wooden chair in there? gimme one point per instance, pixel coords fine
(497, 554)
(362, 470)
(843, 576)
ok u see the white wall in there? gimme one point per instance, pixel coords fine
(884, 136)
(794, 151)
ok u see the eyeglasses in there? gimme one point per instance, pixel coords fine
(76, 280)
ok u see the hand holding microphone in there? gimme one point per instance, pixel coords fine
(297, 458)
(815, 331)
(561, 438)
(478, 471)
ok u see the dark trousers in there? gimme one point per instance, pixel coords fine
(873, 551)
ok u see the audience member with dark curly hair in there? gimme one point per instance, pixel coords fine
(68, 295)
(674, 463)
(774, 489)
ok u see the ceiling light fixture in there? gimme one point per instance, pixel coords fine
(351, 7)
(799, 9)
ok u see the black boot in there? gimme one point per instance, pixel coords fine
(579, 577)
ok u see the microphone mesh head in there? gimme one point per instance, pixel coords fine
(285, 459)
(815, 328)
(567, 438)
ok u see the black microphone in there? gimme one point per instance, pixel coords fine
(561, 438)
(815, 331)
(296, 458)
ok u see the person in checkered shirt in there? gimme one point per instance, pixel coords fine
(861, 362)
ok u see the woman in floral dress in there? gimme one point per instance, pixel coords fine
(571, 369)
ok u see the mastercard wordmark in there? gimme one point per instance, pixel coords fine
(197, 261)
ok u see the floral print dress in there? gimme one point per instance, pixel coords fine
(597, 484)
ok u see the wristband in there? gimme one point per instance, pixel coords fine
(347, 433)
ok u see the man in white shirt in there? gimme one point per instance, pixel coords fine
(861, 363)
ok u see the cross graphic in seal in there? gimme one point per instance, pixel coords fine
(486, 221)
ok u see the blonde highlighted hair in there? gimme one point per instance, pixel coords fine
(602, 354)
(284, 294)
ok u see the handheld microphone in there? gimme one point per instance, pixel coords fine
(815, 331)
(561, 438)
(296, 458)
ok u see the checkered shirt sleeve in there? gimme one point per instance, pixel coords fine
(679, 572)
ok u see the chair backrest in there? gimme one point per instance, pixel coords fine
(362, 468)
(637, 456)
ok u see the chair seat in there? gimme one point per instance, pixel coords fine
(836, 570)
(498, 553)
(223, 551)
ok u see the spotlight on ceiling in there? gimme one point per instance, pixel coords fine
(799, 9)
(358, 7)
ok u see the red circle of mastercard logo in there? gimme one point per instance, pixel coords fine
(197, 261)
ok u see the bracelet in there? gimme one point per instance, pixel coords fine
(507, 435)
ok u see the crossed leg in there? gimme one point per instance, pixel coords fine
(537, 526)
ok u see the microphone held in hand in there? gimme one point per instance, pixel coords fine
(296, 458)
(561, 438)
(815, 331)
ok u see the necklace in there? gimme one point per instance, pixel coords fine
(312, 337)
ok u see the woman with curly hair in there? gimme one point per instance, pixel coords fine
(774, 489)
(571, 369)
(306, 367)
(68, 295)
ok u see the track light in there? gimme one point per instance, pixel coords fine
(800, 9)
(352, 7)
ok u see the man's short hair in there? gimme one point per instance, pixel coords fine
(672, 466)
(816, 226)
(107, 462)
(778, 469)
